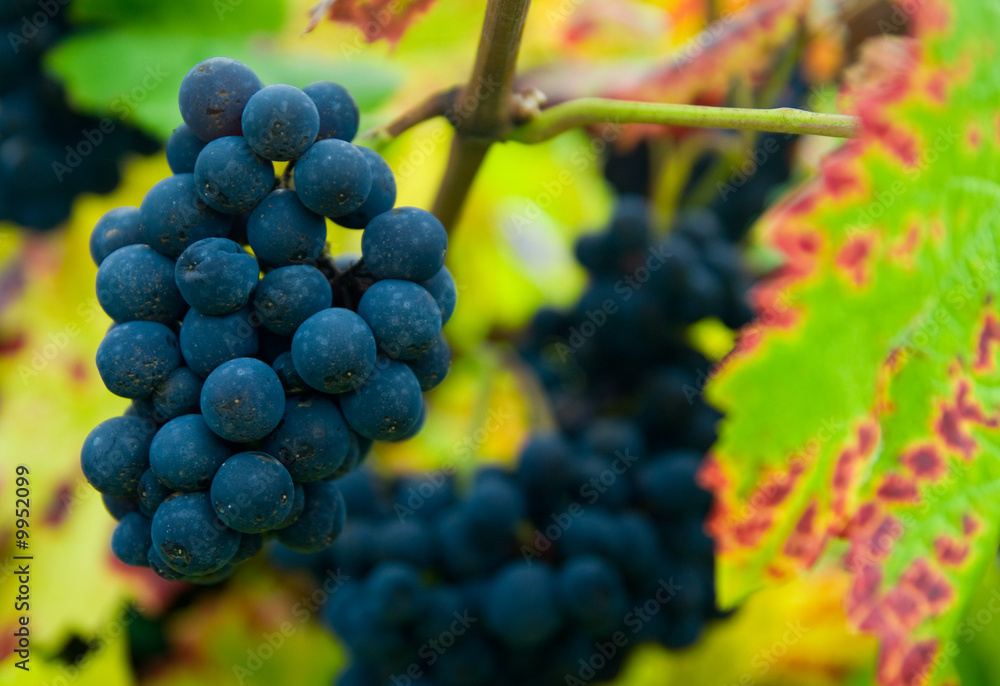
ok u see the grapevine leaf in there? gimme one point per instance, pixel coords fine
(388, 19)
(741, 45)
(877, 343)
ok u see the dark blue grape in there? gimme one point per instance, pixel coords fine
(472, 661)
(463, 551)
(404, 243)
(242, 400)
(174, 215)
(250, 545)
(592, 593)
(189, 538)
(338, 113)
(252, 492)
(135, 357)
(380, 199)
(403, 317)
(410, 542)
(280, 122)
(137, 283)
(520, 606)
(615, 438)
(321, 520)
(157, 564)
(216, 276)
(119, 506)
(396, 593)
(152, 493)
(387, 405)
(231, 177)
(115, 455)
(185, 453)
(182, 150)
(213, 94)
(442, 288)
(334, 350)
(206, 341)
(298, 505)
(423, 496)
(290, 379)
(116, 229)
(667, 484)
(432, 367)
(312, 439)
(494, 507)
(282, 231)
(179, 393)
(288, 296)
(333, 178)
(131, 539)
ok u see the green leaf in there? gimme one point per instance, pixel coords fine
(134, 74)
(864, 403)
(209, 17)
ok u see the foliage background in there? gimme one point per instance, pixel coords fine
(511, 253)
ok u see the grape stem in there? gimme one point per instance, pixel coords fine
(589, 111)
(482, 107)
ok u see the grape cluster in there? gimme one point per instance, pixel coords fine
(551, 573)
(49, 153)
(251, 394)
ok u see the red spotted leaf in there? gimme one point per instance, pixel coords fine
(388, 19)
(864, 403)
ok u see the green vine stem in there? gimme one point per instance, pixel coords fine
(588, 111)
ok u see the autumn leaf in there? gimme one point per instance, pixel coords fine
(388, 19)
(877, 344)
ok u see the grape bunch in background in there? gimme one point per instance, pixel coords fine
(251, 394)
(49, 153)
(551, 573)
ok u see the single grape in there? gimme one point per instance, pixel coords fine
(250, 545)
(116, 229)
(403, 317)
(432, 367)
(137, 283)
(242, 400)
(387, 405)
(312, 440)
(442, 288)
(119, 506)
(332, 178)
(591, 592)
(290, 379)
(115, 455)
(182, 149)
(185, 454)
(334, 350)
(321, 520)
(288, 296)
(135, 357)
(280, 122)
(189, 537)
(338, 113)
(213, 94)
(231, 177)
(396, 592)
(152, 492)
(404, 243)
(298, 506)
(131, 539)
(206, 341)
(282, 231)
(252, 492)
(520, 606)
(216, 276)
(179, 393)
(380, 199)
(174, 215)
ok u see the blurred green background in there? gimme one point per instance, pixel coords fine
(93, 620)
